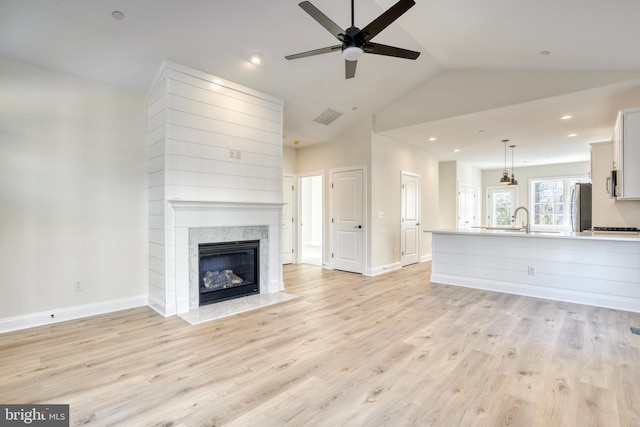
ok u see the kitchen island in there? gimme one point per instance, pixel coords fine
(599, 269)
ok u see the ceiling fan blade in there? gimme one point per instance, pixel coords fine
(384, 20)
(315, 52)
(322, 19)
(350, 69)
(383, 49)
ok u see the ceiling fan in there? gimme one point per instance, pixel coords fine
(356, 41)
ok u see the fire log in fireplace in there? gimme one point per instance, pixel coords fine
(228, 270)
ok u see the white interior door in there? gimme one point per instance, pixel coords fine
(410, 218)
(288, 192)
(466, 206)
(347, 220)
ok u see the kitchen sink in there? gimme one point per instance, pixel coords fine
(504, 228)
(544, 232)
(516, 230)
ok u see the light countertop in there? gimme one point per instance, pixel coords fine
(506, 232)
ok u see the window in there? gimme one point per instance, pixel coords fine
(502, 202)
(550, 203)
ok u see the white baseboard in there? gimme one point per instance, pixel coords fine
(579, 297)
(384, 269)
(61, 315)
(394, 266)
(158, 305)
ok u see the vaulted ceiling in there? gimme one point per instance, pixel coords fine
(482, 75)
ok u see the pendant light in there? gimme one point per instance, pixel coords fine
(505, 174)
(514, 181)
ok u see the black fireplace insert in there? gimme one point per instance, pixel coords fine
(228, 270)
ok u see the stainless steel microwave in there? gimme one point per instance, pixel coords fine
(612, 183)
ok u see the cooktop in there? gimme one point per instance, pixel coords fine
(617, 229)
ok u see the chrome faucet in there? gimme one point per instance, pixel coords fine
(515, 214)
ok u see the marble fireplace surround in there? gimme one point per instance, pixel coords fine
(194, 222)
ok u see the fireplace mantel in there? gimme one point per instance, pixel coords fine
(194, 205)
(185, 215)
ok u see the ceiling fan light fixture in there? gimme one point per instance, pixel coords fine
(352, 53)
(354, 40)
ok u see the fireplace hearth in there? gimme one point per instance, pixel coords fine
(228, 270)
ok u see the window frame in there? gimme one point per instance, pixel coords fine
(568, 184)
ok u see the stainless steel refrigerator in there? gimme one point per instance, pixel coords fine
(581, 207)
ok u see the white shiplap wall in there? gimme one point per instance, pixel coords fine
(590, 271)
(156, 116)
(209, 140)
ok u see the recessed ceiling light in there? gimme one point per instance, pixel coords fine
(481, 131)
(256, 58)
(545, 52)
(432, 139)
(117, 15)
(457, 150)
(567, 117)
(571, 135)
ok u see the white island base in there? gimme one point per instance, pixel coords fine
(593, 269)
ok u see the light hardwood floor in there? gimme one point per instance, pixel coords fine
(349, 351)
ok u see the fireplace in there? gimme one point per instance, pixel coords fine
(228, 270)
(192, 223)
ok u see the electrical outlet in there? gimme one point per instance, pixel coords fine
(531, 270)
(78, 286)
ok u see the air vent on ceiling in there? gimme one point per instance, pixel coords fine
(327, 116)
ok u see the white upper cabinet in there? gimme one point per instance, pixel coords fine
(626, 154)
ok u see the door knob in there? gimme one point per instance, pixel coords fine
(357, 226)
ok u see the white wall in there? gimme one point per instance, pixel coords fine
(389, 159)
(385, 159)
(448, 183)
(525, 174)
(454, 93)
(608, 212)
(289, 155)
(471, 176)
(73, 194)
(209, 140)
(452, 174)
(352, 148)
